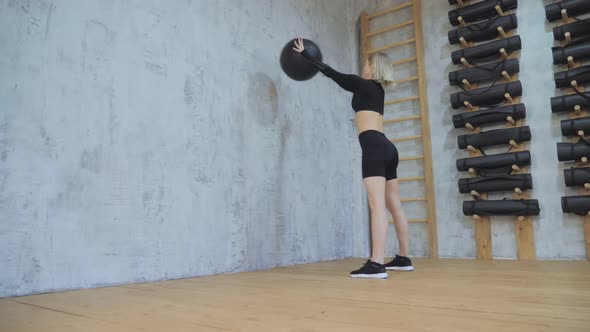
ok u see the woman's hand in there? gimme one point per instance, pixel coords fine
(299, 45)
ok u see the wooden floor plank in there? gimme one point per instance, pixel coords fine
(441, 295)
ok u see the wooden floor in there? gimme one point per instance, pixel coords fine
(441, 295)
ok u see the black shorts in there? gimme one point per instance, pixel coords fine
(380, 157)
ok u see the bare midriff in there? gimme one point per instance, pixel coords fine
(368, 120)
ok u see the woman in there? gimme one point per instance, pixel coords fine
(379, 160)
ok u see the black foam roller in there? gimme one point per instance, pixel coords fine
(495, 137)
(523, 207)
(576, 29)
(486, 184)
(563, 79)
(486, 52)
(567, 103)
(570, 127)
(484, 30)
(572, 151)
(576, 176)
(486, 96)
(573, 7)
(577, 51)
(492, 115)
(484, 73)
(576, 204)
(480, 10)
(495, 161)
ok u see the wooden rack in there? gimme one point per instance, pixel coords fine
(420, 79)
(577, 112)
(523, 224)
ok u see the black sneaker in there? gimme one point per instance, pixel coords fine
(400, 263)
(370, 270)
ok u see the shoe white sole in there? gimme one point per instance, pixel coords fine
(370, 276)
(400, 268)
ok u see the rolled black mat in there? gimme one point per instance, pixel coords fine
(522, 207)
(491, 115)
(573, 7)
(578, 51)
(480, 10)
(573, 151)
(484, 73)
(496, 163)
(576, 29)
(484, 30)
(567, 103)
(487, 96)
(575, 204)
(570, 127)
(486, 52)
(563, 79)
(576, 176)
(495, 137)
(455, 2)
(579, 40)
(487, 184)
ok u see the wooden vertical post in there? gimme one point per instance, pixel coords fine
(525, 236)
(483, 237)
(365, 45)
(483, 225)
(426, 145)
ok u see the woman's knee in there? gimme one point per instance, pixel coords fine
(390, 207)
(392, 196)
(376, 202)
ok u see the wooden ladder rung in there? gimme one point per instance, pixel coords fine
(390, 10)
(401, 100)
(414, 178)
(408, 138)
(407, 79)
(411, 158)
(392, 45)
(407, 118)
(412, 220)
(415, 199)
(399, 62)
(390, 28)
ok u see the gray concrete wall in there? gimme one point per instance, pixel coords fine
(146, 140)
(557, 236)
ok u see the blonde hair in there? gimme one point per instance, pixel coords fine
(382, 69)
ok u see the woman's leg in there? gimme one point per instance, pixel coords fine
(375, 186)
(394, 205)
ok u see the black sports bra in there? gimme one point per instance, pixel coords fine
(368, 95)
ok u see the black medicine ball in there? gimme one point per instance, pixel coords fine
(295, 65)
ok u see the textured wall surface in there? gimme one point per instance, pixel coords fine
(557, 236)
(146, 140)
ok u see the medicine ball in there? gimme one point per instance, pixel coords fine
(295, 65)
